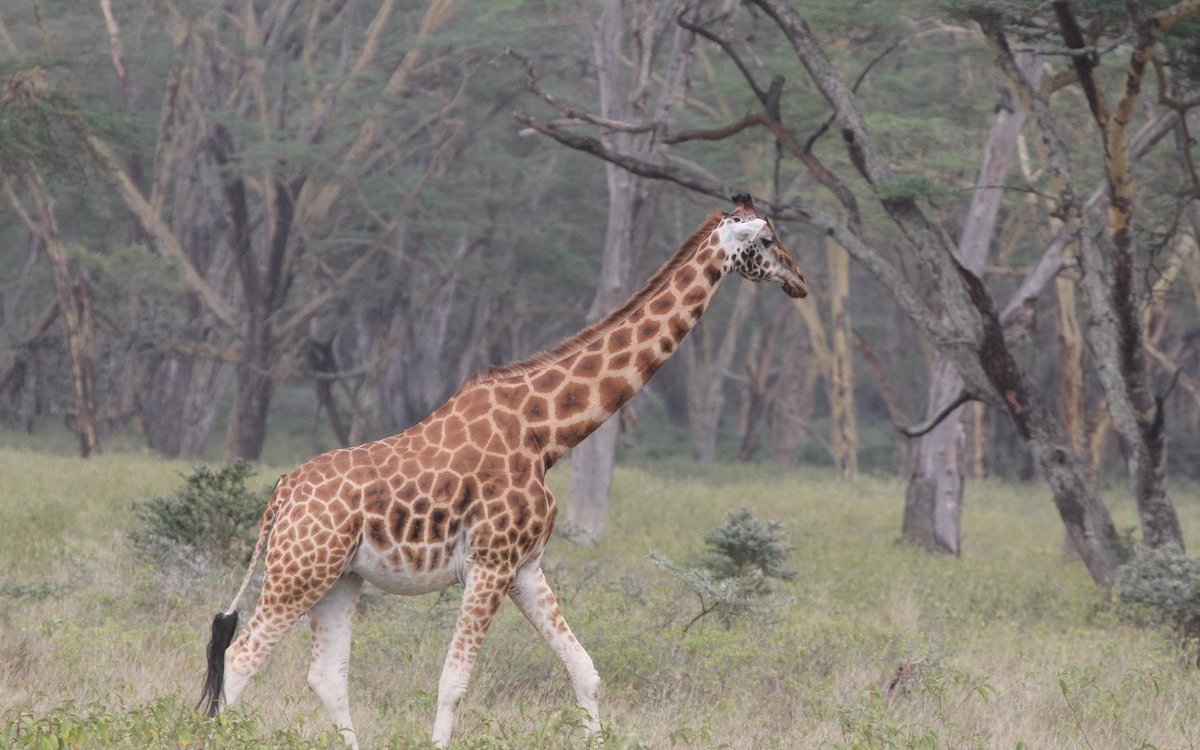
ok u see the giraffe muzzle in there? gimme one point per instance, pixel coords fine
(793, 284)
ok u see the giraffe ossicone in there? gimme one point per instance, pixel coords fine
(460, 497)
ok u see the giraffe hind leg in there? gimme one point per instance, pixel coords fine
(285, 598)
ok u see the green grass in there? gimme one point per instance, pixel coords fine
(880, 645)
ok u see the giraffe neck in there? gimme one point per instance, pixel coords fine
(584, 388)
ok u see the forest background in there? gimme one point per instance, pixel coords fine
(223, 220)
(267, 228)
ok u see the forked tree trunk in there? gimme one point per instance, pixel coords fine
(1084, 515)
(592, 460)
(933, 502)
(792, 404)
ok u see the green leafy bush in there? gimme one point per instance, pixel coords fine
(742, 545)
(1162, 585)
(214, 517)
(733, 578)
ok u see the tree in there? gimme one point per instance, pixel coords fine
(285, 207)
(933, 503)
(968, 330)
(31, 123)
(657, 49)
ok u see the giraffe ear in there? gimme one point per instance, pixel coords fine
(745, 230)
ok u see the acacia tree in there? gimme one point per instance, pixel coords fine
(263, 114)
(969, 328)
(1108, 259)
(36, 124)
(640, 57)
(934, 499)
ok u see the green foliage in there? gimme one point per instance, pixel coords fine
(1162, 585)
(36, 591)
(34, 127)
(879, 642)
(732, 579)
(743, 546)
(215, 516)
(911, 187)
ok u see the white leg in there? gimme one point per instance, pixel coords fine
(532, 595)
(330, 620)
(484, 590)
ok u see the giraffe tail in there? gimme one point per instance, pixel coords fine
(225, 623)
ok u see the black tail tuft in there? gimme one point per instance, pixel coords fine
(222, 635)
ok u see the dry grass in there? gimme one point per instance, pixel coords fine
(880, 646)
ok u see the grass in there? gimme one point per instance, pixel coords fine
(880, 645)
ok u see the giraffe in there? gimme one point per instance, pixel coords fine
(461, 498)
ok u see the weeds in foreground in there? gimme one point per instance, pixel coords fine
(164, 724)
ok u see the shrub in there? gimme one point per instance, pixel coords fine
(733, 578)
(743, 545)
(214, 517)
(1162, 585)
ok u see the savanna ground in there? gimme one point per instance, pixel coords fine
(879, 645)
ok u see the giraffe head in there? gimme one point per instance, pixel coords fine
(751, 249)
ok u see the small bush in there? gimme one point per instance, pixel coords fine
(1162, 585)
(214, 517)
(742, 545)
(733, 578)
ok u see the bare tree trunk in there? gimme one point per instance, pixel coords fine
(323, 364)
(592, 460)
(980, 440)
(248, 422)
(843, 413)
(706, 379)
(1110, 281)
(1070, 374)
(75, 308)
(761, 388)
(933, 502)
(1088, 523)
(793, 396)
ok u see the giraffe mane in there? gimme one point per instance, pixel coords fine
(587, 336)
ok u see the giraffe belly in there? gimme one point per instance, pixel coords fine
(398, 573)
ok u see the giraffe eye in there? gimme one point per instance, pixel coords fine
(767, 241)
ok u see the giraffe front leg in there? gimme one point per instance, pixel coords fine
(533, 596)
(330, 620)
(483, 591)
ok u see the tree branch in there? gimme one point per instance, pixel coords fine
(924, 428)
(165, 240)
